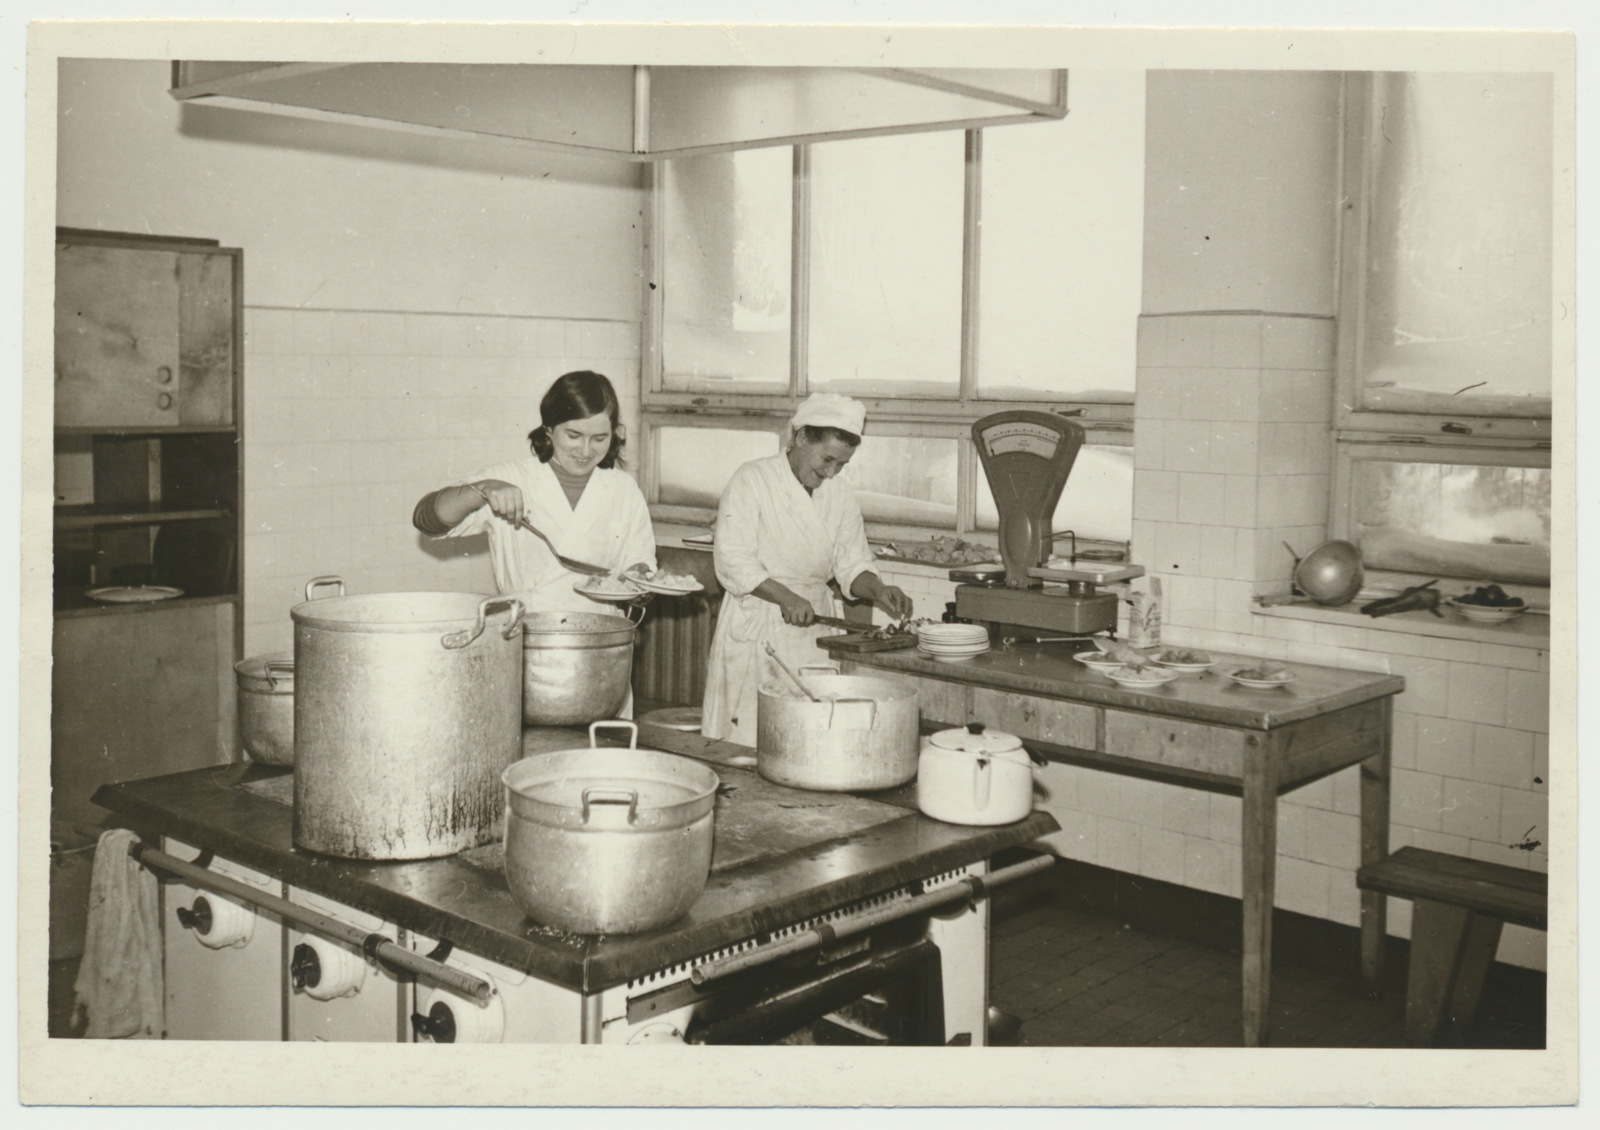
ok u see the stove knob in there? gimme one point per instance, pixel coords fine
(197, 918)
(439, 1025)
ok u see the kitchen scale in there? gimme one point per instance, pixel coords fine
(1027, 457)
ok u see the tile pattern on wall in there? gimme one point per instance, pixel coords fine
(352, 416)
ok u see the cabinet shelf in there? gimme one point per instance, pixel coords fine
(130, 514)
(144, 429)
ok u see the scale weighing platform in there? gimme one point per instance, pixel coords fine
(1027, 457)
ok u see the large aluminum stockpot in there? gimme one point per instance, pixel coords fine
(608, 841)
(266, 707)
(577, 666)
(862, 735)
(407, 708)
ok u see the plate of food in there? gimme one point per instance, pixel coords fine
(1098, 661)
(1184, 659)
(133, 594)
(1488, 604)
(1138, 677)
(608, 588)
(1264, 676)
(700, 539)
(665, 583)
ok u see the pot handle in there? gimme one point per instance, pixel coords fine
(596, 794)
(455, 641)
(277, 668)
(320, 582)
(981, 770)
(615, 724)
(873, 721)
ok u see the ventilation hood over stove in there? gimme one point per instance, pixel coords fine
(629, 113)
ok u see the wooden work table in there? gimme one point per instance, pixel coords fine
(1202, 732)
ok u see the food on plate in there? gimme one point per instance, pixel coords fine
(940, 550)
(609, 586)
(1122, 653)
(1183, 655)
(669, 580)
(1491, 596)
(1130, 672)
(1266, 671)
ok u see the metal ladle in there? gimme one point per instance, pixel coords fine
(784, 667)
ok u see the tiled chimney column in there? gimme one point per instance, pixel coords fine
(1232, 447)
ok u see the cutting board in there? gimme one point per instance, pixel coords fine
(858, 643)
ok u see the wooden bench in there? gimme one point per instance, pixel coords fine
(1460, 906)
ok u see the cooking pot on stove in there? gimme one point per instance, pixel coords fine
(608, 841)
(407, 708)
(577, 666)
(266, 707)
(975, 776)
(862, 735)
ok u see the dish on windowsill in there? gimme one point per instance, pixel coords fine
(133, 594)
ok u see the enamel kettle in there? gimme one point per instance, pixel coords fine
(971, 775)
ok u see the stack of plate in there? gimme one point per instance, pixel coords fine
(952, 642)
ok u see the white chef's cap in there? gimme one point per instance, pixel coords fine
(830, 410)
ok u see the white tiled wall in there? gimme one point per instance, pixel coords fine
(352, 416)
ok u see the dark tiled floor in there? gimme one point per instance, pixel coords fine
(1077, 975)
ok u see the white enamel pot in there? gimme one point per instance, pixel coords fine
(975, 776)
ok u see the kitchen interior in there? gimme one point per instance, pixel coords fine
(1213, 322)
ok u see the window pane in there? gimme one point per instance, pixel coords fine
(726, 271)
(1459, 245)
(696, 463)
(1059, 294)
(885, 303)
(1491, 523)
(906, 480)
(1096, 503)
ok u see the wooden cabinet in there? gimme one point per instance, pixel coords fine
(148, 490)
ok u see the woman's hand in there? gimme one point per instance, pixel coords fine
(503, 498)
(797, 610)
(891, 598)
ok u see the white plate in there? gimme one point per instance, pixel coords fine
(1144, 678)
(1488, 613)
(628, 592)
(1261, 684)
(953, 652)
(133, 594)
(956, 657)
(667, 590)
(981, 635)
(1185, 668)
(1097, 661)
(700, 539)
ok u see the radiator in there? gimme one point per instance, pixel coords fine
(671, 648)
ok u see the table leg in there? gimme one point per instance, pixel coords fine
(1259, 833)
(1374, 848)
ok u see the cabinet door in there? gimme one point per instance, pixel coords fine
(116, 337)
(143, 337)
(138, 694)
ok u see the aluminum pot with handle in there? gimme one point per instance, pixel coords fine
(407, 708)
(577, 666)
(608, 841)
(861, 735)
(975, 776)
(1330, 574)
(266, 707)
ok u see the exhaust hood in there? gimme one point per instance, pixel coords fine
(629, 113)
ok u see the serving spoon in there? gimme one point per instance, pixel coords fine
(569, 563)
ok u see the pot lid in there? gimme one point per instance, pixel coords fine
(272, 673)
(975, 738)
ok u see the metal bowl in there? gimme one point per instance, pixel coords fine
(1331, 573)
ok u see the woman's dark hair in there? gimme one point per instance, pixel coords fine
(816, 434)
(577, 396)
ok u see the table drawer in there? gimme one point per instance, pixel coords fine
(1035, 719)
(1186, 745)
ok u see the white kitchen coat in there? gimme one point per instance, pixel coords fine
(767, 526)
(609, 527)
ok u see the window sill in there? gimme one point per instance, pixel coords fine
(1531, 630)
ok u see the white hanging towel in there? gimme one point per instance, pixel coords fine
(119, 981)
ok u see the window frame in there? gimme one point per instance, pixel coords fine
(1362, 433)
(1107, 422)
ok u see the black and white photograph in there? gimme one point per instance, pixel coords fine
(1002, 566)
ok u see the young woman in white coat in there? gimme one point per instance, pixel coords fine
(786, 526)
(572, 488)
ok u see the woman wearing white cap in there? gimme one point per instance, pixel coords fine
(786, 525)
